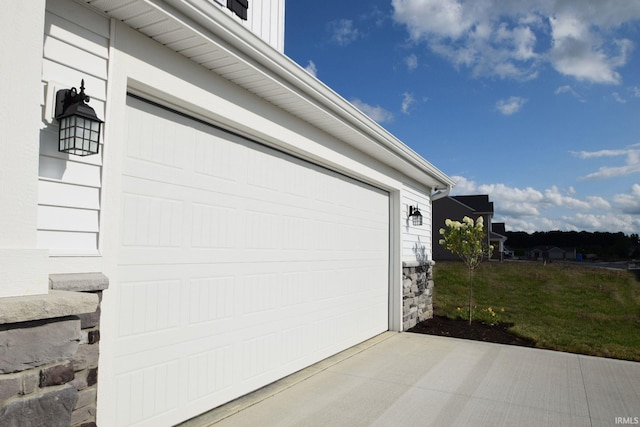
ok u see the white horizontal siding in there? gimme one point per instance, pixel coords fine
(75, 35)
(67, 219)
(52, 193)
(76, 47)
(416, 240)
(60, 51)
(68, 241)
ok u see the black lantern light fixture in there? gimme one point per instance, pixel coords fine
(415, 215)
(79, 126)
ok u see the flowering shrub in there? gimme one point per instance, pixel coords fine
(468, 240)
(485, 315)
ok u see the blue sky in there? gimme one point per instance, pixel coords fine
(534, 102)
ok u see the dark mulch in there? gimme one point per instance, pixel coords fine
(459, 328)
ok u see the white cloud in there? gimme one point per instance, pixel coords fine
(555, 197)
(503, 39)
(529, 201)
(602, 222)
(311, 68)
(377, 113)
(597, 202)
(630, 202)
(607, 153)
(578, 53)
(444, 18)
(343, 32)
(636, 91)
(464, 185)
(529, 209)
(412, 62)
(568, 89)
(510, 105)
(407, 101)
(618, 98)
(631, 166)
(514, 202)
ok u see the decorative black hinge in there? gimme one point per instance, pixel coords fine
(239, 7)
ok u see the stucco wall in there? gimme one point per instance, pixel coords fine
(22, 266)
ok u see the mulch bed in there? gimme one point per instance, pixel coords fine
(459, 328)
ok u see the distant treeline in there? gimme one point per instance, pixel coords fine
(603, 245)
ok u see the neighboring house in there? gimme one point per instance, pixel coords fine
(456, 208)
(248, 220)
(497, 238)
(550, 253)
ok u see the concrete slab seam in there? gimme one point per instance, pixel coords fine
(584, 386)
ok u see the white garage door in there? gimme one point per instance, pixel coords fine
(238, 265)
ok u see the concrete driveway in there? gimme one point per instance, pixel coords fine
(405, 379)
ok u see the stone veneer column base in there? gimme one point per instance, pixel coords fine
(417, 293)
(49, 354)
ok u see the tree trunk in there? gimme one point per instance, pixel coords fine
(470, 293)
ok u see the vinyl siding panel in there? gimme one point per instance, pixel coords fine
(76, 47)
(69, 195)
(416, 240)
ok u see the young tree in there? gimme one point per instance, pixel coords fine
(468, 240)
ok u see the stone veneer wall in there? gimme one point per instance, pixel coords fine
(417, 293)
(49, 347)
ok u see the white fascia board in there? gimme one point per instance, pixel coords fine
(264, 59)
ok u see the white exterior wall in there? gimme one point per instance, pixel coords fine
(22, 266)
(265, 18)
(69, 193)
(416, 240)
(77, 220)
(146, 68)
(76, 47)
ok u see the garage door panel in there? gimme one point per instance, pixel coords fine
(289, 347)
(159, 215)
(162, 296)
(214, 157)
(320, 246)
(192, 312)
(207, 376)
(238, 265)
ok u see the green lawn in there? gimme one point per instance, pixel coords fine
(562, 307)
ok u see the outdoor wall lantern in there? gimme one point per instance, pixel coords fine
(415, 215)
(79, 132)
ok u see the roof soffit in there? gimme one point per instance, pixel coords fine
(201, 31)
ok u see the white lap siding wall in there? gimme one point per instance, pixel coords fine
(76, 47)
(416, 239)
